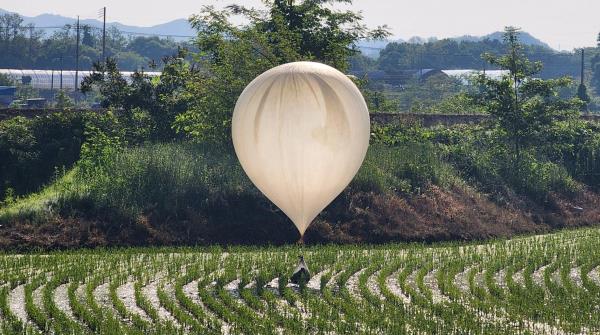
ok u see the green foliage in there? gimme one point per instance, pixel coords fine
(450, 54)
(112, 86)
(25, 92)
(97, 151)
(583, 95)
(138, 125)
(526, 108)
(481, 157)
(153, 101)
(437, 94)
(421, 95)
(231, 56)
(32, 149)
(478, 154)
(25, 47)
(377, 102)
(167, 180)
(398, 134)
(595, 65)
(63, 101)
(164, 178)
(406, 168)
(576, 146)
(460, 103)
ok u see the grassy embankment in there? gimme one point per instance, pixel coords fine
(415, 185)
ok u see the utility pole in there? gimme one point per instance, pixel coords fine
(30, 45)
(420, 65)
(582, 65)
(61, 70)
(77, 57)
(104, 34)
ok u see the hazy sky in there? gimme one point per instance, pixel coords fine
(561, 23)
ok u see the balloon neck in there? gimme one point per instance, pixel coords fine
(301, 240)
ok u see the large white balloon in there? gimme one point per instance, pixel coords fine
(301, 132)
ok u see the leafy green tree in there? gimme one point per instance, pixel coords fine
(595, 63)
(63, 101)
(130, 60)
(161, 97)
(13, 42)
(452, 54)
(377, 101)
(152, 48)
(526, 108)
(23, 46)
(88, 38)
(110, 83)
(583, 95)
(232, 55)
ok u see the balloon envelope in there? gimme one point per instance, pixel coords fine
(301, 131)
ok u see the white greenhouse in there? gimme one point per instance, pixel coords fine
(56, 79)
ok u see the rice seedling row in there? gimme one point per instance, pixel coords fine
(528, 285)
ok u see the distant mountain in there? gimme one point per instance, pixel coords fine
(179, 27)
(525, 38)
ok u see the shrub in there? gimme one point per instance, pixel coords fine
(537, 179)
(63, 101)
(484, 159)
(31, 150)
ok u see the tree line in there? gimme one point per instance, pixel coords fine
(453, 54)
(27, 46)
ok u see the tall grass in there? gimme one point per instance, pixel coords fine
(163, 178)
(171, 179)
(37, 206)
(405, 168)
(495, 171)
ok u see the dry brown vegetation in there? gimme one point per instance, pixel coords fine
(438, 214)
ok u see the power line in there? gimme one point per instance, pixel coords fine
(77, 56)
(103, 34)
(125, 32)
